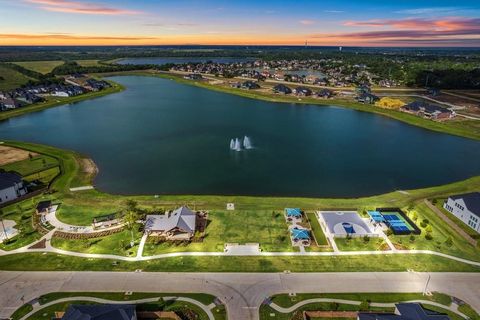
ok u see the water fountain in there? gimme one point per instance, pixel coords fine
(238, 146)
(247, 144)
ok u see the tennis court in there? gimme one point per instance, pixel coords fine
(396, 222)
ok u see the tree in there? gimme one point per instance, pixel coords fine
(414, 215)
(412, 238)
(130, 218)
(364, 306)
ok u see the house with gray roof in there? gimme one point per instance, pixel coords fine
(465, 207)
(405, 311)
(178, 224)
(11, 186)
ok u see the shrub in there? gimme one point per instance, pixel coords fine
(429, 229)
(428, 236)
(449, 242)
(412, 238)
(366, 239)
(389, 232)
(364, 306)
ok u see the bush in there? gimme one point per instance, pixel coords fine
(389, 232)
(429, 229)
(412, 238)
(428, 236)
(424, 223)
(364, 306)
(366, 239)
(449, 242)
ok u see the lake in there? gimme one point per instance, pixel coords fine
(182, 60)
(162, 137)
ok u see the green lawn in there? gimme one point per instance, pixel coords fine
(118, 244)
(42, 67)
(11, 79)
(29, 166)
(21, 213)
(88, 63)
(317, 229)
(264, 227)
(359, 244)
(416, 262)
(284, 300)
(440, 232)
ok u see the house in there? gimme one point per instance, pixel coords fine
(249, 85)
(465, 207)
(302, 91)
(178, 224)
(100, 312)
(43, 207)
(404, 311)
(428, 110)
(325, 93)
(367, 98)
(193, 76)
(9, 103)
(11, 186)
(281, 88)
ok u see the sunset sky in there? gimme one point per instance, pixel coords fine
(157, 22)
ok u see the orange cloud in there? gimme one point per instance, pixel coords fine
(72, 6)
(445, 24)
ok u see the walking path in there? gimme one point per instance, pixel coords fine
(82, 188)
(453, 308)
(37, 307)
(142, 245)
(451, 223)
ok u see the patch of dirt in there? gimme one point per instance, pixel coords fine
(10, 155)
(39, 245)
(88, 166)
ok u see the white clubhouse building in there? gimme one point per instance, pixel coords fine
(465, 207)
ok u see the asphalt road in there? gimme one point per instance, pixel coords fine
(242, 293)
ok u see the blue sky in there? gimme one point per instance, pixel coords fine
(369, 23)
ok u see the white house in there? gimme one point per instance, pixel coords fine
(11, 186)
(466, 207)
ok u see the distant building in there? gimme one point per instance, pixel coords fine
(367, 98)
(428, 110)
(100, 312)
(11, 186)
(405, 311)
(249, 85)
(465, 207)
(193, 76)
(325, 93)
(302, 91)
(281, 88)
(178, 224)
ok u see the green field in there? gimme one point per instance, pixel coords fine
(265, 227)
(42, 67)
(317, 229)
(359, 244)
(87, 63)
(118, 244)
(30, 166)
(11, 79)
(370, 263)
